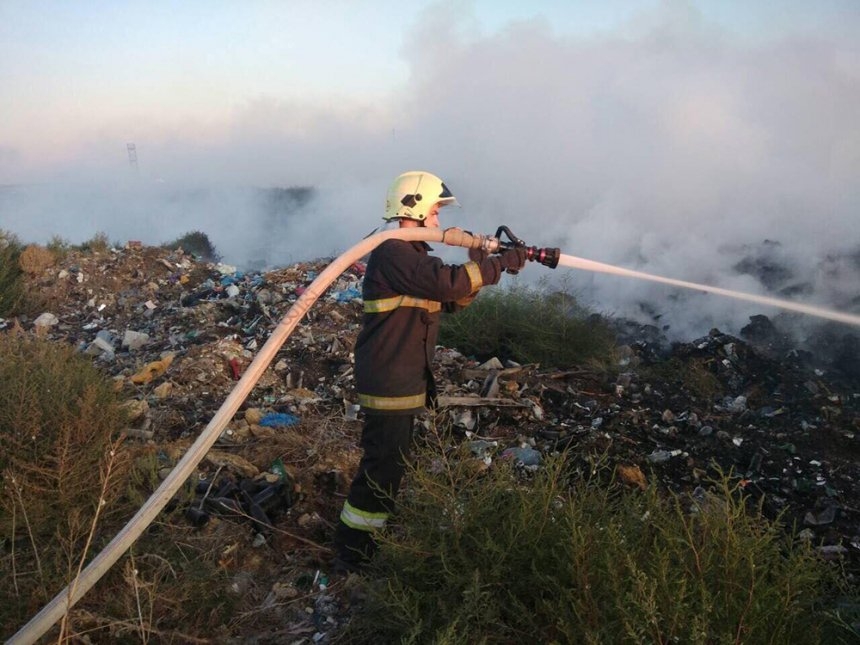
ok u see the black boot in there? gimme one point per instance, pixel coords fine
(353, 548)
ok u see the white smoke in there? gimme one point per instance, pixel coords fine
(670, 146)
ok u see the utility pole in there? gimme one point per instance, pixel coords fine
(132, 156)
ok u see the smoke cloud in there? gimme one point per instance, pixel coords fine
(670, 147)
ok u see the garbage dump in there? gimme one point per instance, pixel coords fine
(175, 334)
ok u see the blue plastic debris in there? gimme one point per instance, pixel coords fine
(347, 295)
(279, 420)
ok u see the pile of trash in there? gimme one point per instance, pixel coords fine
(176, 334)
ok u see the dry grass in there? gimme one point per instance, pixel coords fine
(35, 260)
(60, 464)
(180, 582)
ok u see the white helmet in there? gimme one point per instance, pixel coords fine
(413, 193)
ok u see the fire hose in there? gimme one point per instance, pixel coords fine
(550, 257)
(63, 601)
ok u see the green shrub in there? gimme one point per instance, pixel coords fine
(98, 243)
(59, 247)
(11, 275)
(488, 559)
(529, 325)
(196, 243)
(59, 419)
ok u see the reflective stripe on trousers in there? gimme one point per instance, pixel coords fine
(362, 520)
(389, 403)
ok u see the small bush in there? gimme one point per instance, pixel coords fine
(489, 559)
(58, 420)
(11, 275)
(196, 243)
(58, 415)
(36, 259)
(58, 247)
(99, 243)
(529, 325)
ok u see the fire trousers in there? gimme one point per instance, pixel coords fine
(386, 441)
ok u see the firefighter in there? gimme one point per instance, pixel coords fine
(405, 291)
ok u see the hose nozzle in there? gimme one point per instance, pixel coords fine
(545, 256)
(493, 244)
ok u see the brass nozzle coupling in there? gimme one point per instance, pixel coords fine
(489, 244)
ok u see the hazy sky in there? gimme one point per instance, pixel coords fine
(80, 79)
(665, 136)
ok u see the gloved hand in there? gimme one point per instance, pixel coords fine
(513, 259)
(477, 255)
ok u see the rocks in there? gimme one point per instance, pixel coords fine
(134, 340)
(46, 319)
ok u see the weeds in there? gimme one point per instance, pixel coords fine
(98, 243)
(106, 480)
(67, 487)
(491, 559)
(172, 582)
(529, 325)
(58, 247)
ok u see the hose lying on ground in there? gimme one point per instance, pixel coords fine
(63, 601)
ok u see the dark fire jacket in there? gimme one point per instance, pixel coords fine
(405, 290)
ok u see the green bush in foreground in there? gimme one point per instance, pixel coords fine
(488, 559)
(11, 275)
(529, 325)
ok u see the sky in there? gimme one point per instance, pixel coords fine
(669, 136)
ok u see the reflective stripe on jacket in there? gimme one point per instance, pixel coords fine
(405, 290)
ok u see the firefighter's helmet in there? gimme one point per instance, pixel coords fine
(413, 193)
